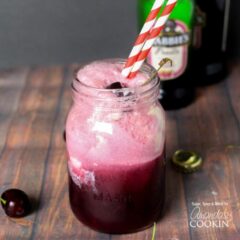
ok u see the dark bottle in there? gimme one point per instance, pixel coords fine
(174, 42)
(210, 38)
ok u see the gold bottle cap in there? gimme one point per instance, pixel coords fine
(187, 161)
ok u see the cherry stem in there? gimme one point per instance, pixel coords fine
(3, 201)
(154, 231)
(161, 64)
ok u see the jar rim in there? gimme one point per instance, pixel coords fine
(145, 67)
(139, 91)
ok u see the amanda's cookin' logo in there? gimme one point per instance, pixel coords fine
(210, 215)
(173, 34)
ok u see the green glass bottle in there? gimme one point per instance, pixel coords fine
(174, 42)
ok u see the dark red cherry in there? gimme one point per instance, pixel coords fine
(15, 203)
(115, 85)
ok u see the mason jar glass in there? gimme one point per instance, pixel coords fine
(115, 142)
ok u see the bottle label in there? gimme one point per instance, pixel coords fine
(172, 43)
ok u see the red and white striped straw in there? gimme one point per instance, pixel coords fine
(150, 21)
(151, 37)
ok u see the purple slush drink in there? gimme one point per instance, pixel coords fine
(115, 143)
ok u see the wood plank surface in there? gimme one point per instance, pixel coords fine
(204, 205)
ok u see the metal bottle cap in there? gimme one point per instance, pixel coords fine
(187, 161)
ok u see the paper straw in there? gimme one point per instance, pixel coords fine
(153, 34)
(150, 21)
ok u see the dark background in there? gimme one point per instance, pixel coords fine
(68, 31)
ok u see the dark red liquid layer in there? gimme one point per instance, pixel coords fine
(128, 198)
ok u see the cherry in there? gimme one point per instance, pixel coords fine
(15, 203)
(115, 85)
(118, 86)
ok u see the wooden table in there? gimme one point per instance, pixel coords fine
(200, 206)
